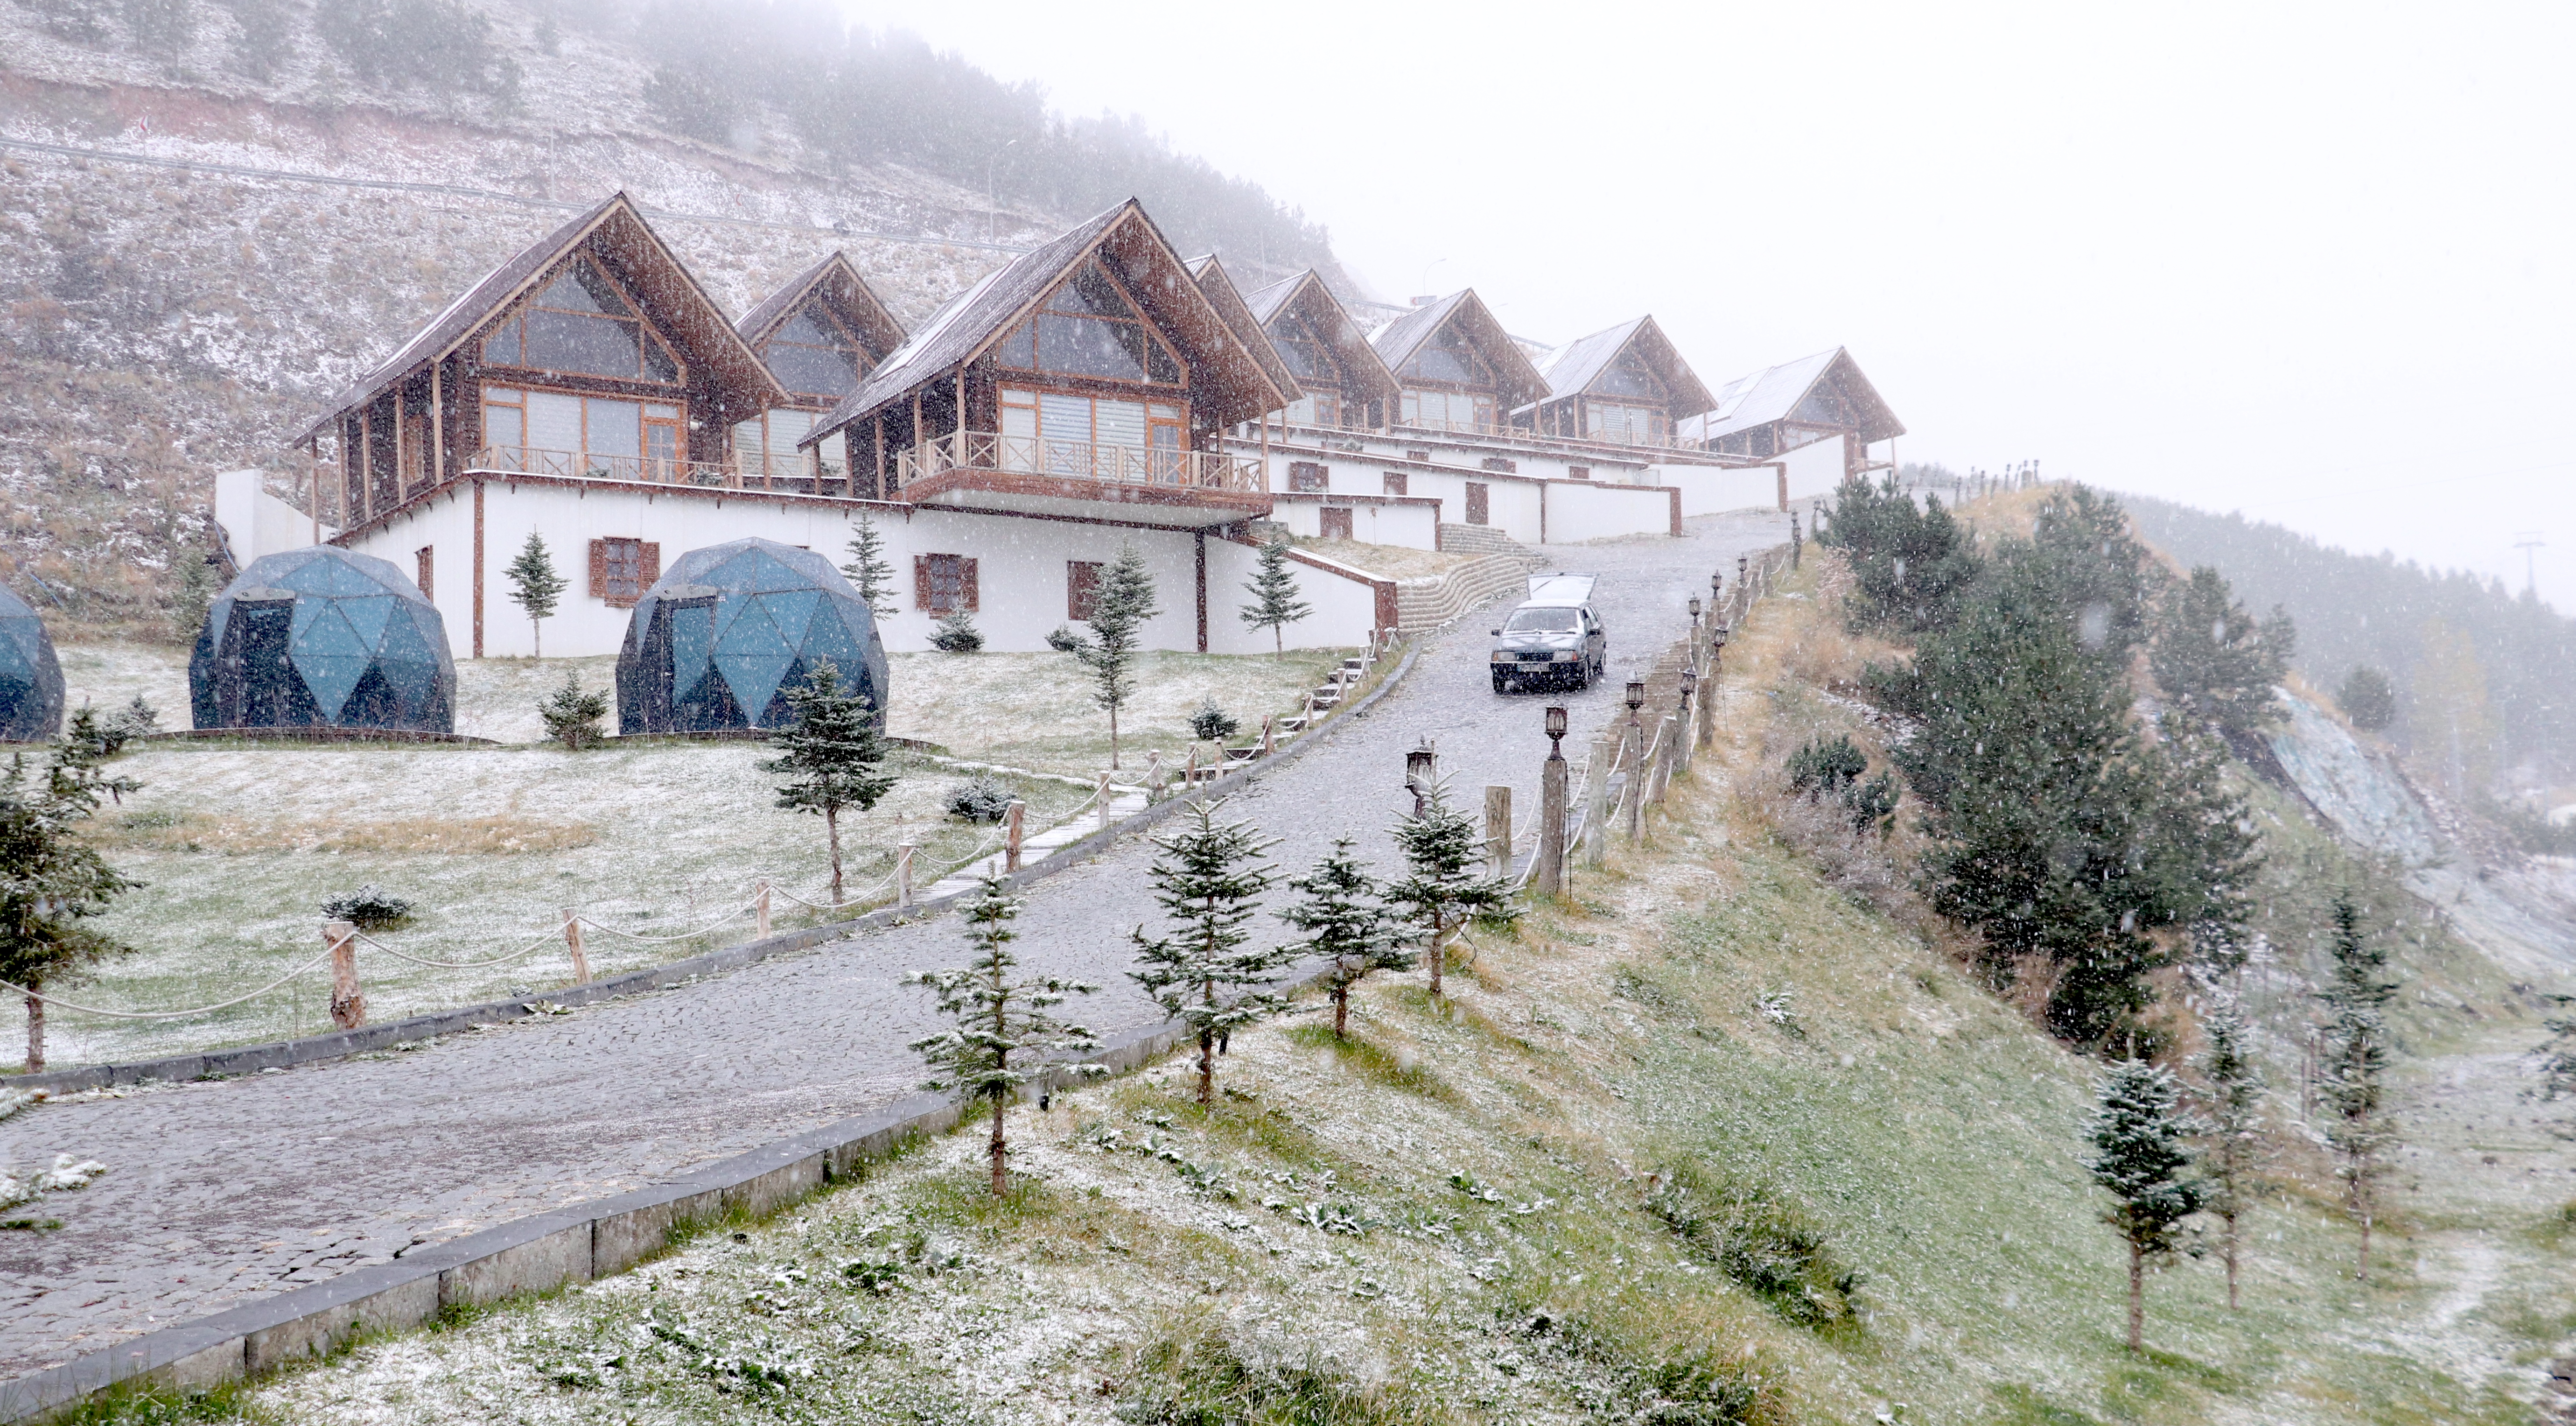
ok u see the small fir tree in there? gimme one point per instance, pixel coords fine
(198, 582)
(572, 716)
(1444, 887)
(832, 752)
(2368, 699)
(535, 587)
(1273, 588)
(997, 1025)
(1209, 881)
(1348, 924)
(869, 571)
(87, 742)
(2139, 1155)
(955, 633)
(1120, 606)
(2232, 1134)
(2217, 662)
(52, 880)
(2354, 1071)
(2557, 1054)
(1211, 724)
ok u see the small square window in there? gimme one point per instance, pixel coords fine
(1396, 481)
(1081, 588)
(1308, 477)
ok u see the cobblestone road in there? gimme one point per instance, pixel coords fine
(222, 1192)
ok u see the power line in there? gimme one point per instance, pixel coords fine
(451, 190)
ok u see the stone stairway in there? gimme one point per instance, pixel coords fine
(1480, 540)
(1432, 602)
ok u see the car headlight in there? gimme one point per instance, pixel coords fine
(1506, 656)
(1568, 655)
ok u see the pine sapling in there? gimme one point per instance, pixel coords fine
(2232, 1132)
(572, 716)
(1273, 588)
(51, 879)
(2354, 1070)
(1209, 881)
(1120, 605)
(535, 587)
(1444, 887)
(2139, 1155)
(1347, 923)
(2557, 1054)
(833, 752)
(997, 1026)
(869, 572)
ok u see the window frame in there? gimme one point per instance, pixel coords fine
(815, 307)
(646, 331)
(996, 349)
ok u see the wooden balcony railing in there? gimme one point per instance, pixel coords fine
(1080, 460)
(788, 472)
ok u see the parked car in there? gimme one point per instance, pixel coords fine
(1553, 637)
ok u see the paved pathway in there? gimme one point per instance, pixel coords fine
(222, 1192)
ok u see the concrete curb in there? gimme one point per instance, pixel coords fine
(284, 1054)
(583, 1241)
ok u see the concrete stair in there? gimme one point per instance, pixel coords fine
(1432, 602)
(1480, 540)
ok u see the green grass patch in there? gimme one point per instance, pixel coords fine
(1396, 1069)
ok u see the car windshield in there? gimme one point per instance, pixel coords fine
(1541, 621)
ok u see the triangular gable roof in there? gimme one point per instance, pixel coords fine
(1219, 286)
(1307, 294)
(839, 281)
(1571, 369)
(1774, 393)
(1138, 251)
(1399, 340)
(640, 257)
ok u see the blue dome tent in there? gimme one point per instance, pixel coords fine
(718, 640)
(31, 678)
(320, 637)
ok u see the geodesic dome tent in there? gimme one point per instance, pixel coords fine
(718, 640)
(322, 638)
(31, 678)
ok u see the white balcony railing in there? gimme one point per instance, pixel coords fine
(1080, 460)
(788, 472)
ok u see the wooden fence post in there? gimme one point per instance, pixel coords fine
(348, 1003)
(1596, 803)
(903, 876)
(760, 910)
(572, 943)
(1498, 830)
(1104, 802)
(1013, 820)
(1550, 875)
(1270, 728)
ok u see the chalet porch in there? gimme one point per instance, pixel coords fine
(1031, 475)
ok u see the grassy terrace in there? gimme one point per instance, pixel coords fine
(1464, 1215)
(238, 844)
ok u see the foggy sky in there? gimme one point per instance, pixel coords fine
(2307, 262)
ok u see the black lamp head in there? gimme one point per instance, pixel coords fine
(1636, 696)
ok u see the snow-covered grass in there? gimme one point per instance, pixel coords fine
(238, 845)
(1452, 1220)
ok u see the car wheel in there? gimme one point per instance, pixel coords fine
(1501, 684)
(1582, 678)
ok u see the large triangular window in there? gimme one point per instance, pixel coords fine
(1824, 406)
(813, 355)
(1308, 358)
(1630, 376)
(1088, 327)
(1450, 357)
(580, 323)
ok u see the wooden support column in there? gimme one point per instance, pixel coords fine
(366, 460)
(478, 569)
(400, 444)
(1202, 569)
(876, 440)
(437, 427)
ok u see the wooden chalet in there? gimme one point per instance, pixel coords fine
(591, 355)
(1455, 367)
(1347, 386)
(1089, 379)
(1230, 303)
(820, 335)
(1783, 408)
(1626, 386)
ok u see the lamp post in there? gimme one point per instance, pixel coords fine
(1682, 729)
(1708, 702)
(1636, 790)
(1419, 770)
(1551, 809)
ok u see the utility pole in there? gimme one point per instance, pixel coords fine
(2529, 543)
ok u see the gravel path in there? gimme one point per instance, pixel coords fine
(223, 1192)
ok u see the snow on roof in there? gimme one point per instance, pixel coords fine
(1774, 393)
(1574, 366)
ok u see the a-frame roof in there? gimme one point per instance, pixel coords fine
(1219, 286)
(1573, 368)
(839, 283)
(1776, 393)
(1229, 381)
(1307, 296)
(616, 233)
(1399, 340)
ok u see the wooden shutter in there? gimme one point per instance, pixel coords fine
(921, 581)
(1396, 482)
(1081, 587)
(966, 568)
(428, 573)
(1478, 507)
(648, 565)
(599, 569)
(1334, 524)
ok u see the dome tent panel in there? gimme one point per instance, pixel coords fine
(31, 677)
(322, 637)
(728, 630)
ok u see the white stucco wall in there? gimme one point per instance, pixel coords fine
(1815, 469)
(1021, 564)
(1580, 510)
(1408, 523)
(1711, 490)
(257, 523)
